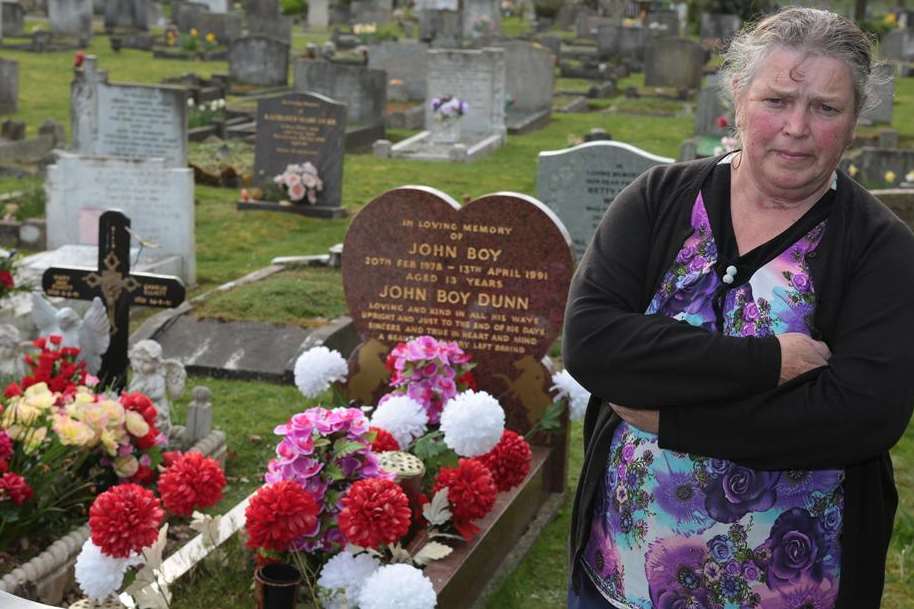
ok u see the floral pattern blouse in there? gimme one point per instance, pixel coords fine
(678, 531)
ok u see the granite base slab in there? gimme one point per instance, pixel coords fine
(421, 148)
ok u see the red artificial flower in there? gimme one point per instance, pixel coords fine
(279, 514)
(170, 456)
(471, 493)
(144, 475)
(141, 403)
(125, 519)
(14, 487)
(6, 280)
(6, 445)
(55, 339)
(4, 466)
(191, 482)
(468, 381)
(509, 461)
(12, 391)
(383, 440)
(375, 511)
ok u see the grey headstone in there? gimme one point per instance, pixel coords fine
(529, 76)
(674, 62)
(9, 86)
(710, 108)
(70, 17)
(226, 27)
(300, 127)
(361, 89)
(442, 28)
(184, 14)
(12, 16)
(131, 14)
(553, 43)
(582, 24)
(898, 45)
(259, 60)
(476, 77)
(276, 27)
(371, 11)
(199, 417)
(621, 42)
(579, 183)
(663, 23)
(869, 166)
(885, 94)
(318, 14)
(13, 130)
(127, 120)
(719, 26)
(406, 62)
(216, 6)
(481, 21)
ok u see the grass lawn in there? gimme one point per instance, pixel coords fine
(231, 244)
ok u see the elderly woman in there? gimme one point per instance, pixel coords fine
(745, 324)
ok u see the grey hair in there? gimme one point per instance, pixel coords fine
(815, 31)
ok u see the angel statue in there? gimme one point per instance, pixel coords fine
(12, 366)
(158, 378)
(91, 334)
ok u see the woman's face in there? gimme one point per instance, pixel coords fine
(796, 118)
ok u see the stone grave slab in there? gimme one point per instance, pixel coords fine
(363, 90)
(158, 198)
(127, 120)
(9, 86)
(530, 83)
(12, 16)
(259, 60)
(578, 184)
(881, 114)
(674, 62)
(70, 18)
(620, 42)
(301, 128)
(406, 62)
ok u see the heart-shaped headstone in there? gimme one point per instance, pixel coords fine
(492, 275)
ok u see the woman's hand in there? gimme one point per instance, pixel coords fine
(645, 420)
(800, 354)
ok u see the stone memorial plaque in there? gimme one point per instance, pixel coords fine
(138, 121)
(362, 89)
(298, 128)
(158, 198)
(259, 60)
(579, 183)
(9, 86)
(70, 17)
(492, 276)
(674, 62)
(476, 77)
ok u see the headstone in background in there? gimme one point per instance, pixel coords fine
(621, 42)
(70, 17)
(579, 183)
(301, 128)
(898, 45)
(884, 92)
(13, 18)
(582, 23)
(216, 6)
(553, 43)
(130, 14)
(264, 19)
(362, 89)
(878, 167)
(674, 62)
(226, 27)
(491, 275)
(127, 120)
(476, 77)
(710, 109)
(185, 14)
(371, 11)
(9, 86)
(530, 81)
(406, 62)
(662, 23)
(719, 27)
(157, 197)
(481, 21)
(259, 60)
(318, 14)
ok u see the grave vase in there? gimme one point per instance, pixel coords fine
(276, 586)
(446, 131)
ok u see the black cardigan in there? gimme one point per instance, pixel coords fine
(718, 395)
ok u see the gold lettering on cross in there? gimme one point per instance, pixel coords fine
(112, 283)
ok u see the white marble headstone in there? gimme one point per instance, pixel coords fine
(474, 76)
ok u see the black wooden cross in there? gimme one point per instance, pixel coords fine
(118, 290)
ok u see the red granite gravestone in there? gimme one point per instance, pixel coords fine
(493, 276)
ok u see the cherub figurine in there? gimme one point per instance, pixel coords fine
(91, 333)
(160, 379)
(12, 367)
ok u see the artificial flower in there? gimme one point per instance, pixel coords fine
(401, 416)
(347, 572)
(472, 423)
(126, 466)
(125, 519)
(279, 514)
(191, 482)
(6, 445)
(568, 388)
(99, 575)
(317, 368)
(383, 441)
(397, 586)
(471, 493)
(15, 488)
(509, 461)
(375, 512)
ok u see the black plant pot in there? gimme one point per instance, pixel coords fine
(276, 586)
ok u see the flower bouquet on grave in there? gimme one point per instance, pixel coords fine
(8, 284)
(448, 112)
(361, 503)
(300, 183)
(60, 442)
(205, 113)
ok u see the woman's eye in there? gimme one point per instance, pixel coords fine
(774, 101)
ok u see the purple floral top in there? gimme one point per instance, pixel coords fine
(678, 531)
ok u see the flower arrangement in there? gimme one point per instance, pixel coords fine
(7, 275)
(449, 108)
(204, 113)
(335, 506)
(301, 182)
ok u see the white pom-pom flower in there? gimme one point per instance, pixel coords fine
(397, 587)
(473, 423)
(99, 575)
(570, 389)
(403, 417)
(316, 368)
(347, 572)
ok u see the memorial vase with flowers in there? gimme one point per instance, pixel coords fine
(359, 503)
(300, 183)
